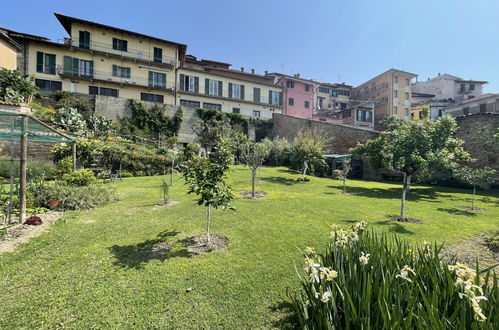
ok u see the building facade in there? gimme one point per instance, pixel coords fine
(298, 95)
(332, 97)
(97, 59)
(484, 104)
(214, 85)
(391, 91)
(8, 51)
(450, 88)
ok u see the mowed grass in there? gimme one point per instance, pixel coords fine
(102, 268)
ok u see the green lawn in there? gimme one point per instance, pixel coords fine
(99, 269)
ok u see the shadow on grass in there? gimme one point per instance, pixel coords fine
(455, 211)
(287, 315)
(279, 180)
(414, 194)
(395, 227)
(137, 255)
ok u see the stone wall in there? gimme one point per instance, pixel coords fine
(471, 131)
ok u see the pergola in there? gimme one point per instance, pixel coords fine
(23, 128)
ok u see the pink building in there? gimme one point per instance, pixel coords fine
(298, 95)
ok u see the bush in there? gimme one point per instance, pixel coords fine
(36, 168)
(80, 178)
(367, 281)
(309, 145)
(64, 166)
(43, 113)
(74, 197)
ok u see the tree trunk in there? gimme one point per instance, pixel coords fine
(344, 183)
(208, 224)
(171, 173)
(253, 182)
(407, 182)
(473, 198)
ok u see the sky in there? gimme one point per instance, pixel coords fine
(347, 41)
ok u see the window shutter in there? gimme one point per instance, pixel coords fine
(115, 70)
(242, 92)
(230, 90)
(182, 82)
(124, 44)
(68, 65)
(51, 63)
(280, 98)
(150, 78)
(128, 73)
(75, 66)
(163, 80)
(207, 86)
(39, 62)
(220, 88)
(196, 85)
(256, 95)
(270, 97)
(92, 69)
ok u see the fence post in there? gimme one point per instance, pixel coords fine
(23, 169)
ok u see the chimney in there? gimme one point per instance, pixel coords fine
(297, 75)
(242, 69)
(439, 73)
(252, 71)
(266, 72)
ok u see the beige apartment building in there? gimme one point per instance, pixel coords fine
(332, 97)
(390, 90)
(213, 85)
(98, 59)
(8, 51)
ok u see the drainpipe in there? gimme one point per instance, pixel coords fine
(176, 73)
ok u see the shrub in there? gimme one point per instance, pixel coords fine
(71, 120)
(36, 168)
(74, 197)
(65, 166)
(309, 146)
(43, 113)
(368, 281)
(81, 177)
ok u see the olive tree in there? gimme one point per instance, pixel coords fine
(345, 169)
(205, 177)
(174, 153)
(475, 177)
(415, 146)
(254, 154)
(307, 152)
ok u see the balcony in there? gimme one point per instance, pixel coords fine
(107, 77)
(130, 54)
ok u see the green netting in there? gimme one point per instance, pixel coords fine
(11, 129)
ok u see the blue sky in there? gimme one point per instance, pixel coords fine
(335, 41)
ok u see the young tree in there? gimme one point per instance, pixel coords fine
(475, 177)
(254, 154)
(15, 87)
(345, 169)
(174, 153)
(422, 146)
(206, 178)
(279, 149)
(210, 130)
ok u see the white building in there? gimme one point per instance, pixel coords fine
(449, 87)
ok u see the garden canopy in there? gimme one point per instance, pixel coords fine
(11, 128)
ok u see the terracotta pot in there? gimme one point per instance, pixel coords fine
(54, 203)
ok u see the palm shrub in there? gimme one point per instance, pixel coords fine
(364, 280)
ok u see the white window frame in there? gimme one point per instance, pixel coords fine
(256, 113)
(236, 91)
(274, 100)
(213, 87)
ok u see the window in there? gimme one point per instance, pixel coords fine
(151, 97)
(120, 44)
(395, 93)
(236, 91)
(48, 85)
(472, 87)
(462, 88)
(290, 84)
(256, 95)
(347, 113)
(395, 79)
(483, 108)
(406, 112)
(236, 110)
(212, 87)
(307, 88)
(275, 98)
(74, 67)
(291, 101)
(86, 68)
(158, 54)
(256, 113)
(307, 104)
(121, 71)
(321, 102)
(157, 79)
(190, 104)
(440, 112)
(466, 111)
(395, 110)
(324, 90)
(334, 93)
(407, 81)
(45, 63)
(406, 96)
(207, 105)
(189, 83)
(94, 90)
(84, 41)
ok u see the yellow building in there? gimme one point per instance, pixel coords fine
(97, 59)
(390, 90)
(8, 51)
(213, 85)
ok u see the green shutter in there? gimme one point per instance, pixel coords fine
(280, 98)
(115, 70)
(182, 82)
(128, 73)
(230, 90)
(196, 84)
(75, 66)
(163, 80)
(220, 88)
(92, 69)
(256, 95)
(115, 43)
(68, 65)
(270, 97)
(124, 45)
(207, 86)
(39, 62)
(150, 78)
(242, 92)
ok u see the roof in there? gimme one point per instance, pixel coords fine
(282, 75)
(452, 77)
(478, 98)
(9, 40)
(392, 70)
(66, 22)
(335, 85)
(12, 33)
(422, 94)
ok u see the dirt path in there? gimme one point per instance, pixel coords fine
(20, 234)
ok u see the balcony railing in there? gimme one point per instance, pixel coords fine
(108, 77)
(133, 54)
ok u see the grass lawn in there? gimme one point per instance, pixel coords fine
(100, 268)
